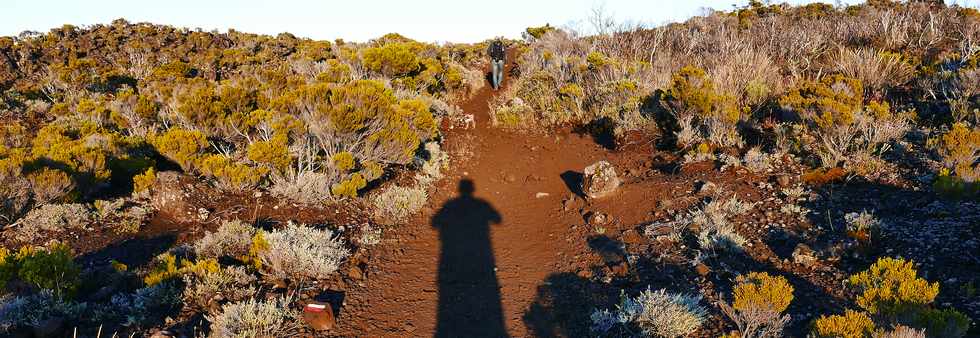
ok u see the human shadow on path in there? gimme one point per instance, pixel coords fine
(469, 293)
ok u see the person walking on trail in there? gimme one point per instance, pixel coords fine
(497, 54)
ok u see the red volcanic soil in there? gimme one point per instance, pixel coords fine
(499, 261)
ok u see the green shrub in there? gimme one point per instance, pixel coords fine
(48, 268)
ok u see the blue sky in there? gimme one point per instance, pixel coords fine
(353, 20)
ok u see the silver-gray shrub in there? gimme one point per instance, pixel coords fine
(300, 252)
(255, 318)
(654, 314)
(231, 239)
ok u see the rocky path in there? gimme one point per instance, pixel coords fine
(471, 263)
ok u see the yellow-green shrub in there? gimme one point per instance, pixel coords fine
(50, 185)
(760, 290)
(165, 268)
(230, 174)
(145, 181)
(367, 105)
(891, 294)
(353, 105)
(273, 153)
(8, 266)
(71, 146)
(255, 248)
(538, 32)
(851, 324)
(827, 103)
(844, 126)
(349, 187)
(184, 147)
(344, 161)
(336, 72)
(199, 105)
(392, 59)
(759, 300)
(890, 288)
(960, 150)
(698, 107)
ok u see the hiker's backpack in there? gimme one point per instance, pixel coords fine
(497, 52)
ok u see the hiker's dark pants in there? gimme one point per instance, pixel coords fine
(498, 72)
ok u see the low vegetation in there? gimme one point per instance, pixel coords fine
(788, 105)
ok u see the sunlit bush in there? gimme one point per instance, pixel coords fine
(891, 293)
(302, 253)
(890, 288)
(392, 59)
(702, 114)
(184, 147)
(844, 126)
(255, 318)
(165, 268)
(960, 151)
(851, 324)
(759, 302)
(50, 185)
(230, 174)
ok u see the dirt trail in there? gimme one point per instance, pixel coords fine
(445, 273)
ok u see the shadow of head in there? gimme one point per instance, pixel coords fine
(612, 251)
(564, 304)
(466, 187)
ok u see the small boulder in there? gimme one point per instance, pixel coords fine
(803, 255)
(178, 196)
(596, 218)
(600, 180)
(319, 316)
